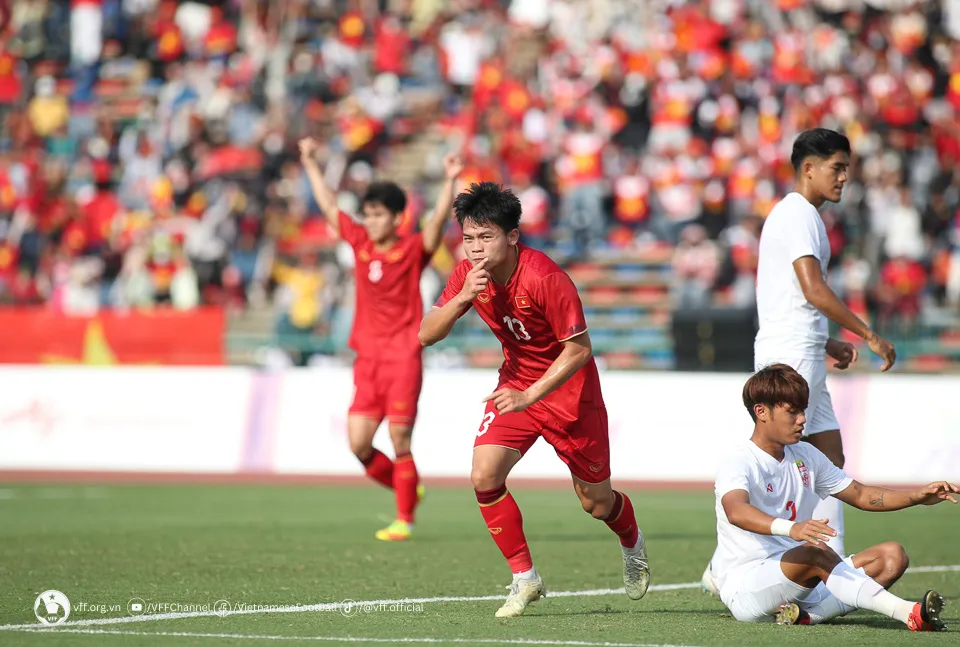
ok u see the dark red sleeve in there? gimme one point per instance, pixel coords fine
(560, 302)
(454, 284)
(350, 231)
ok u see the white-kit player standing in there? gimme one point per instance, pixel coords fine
(794, 301)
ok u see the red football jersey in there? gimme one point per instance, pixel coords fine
(537, 310)
(389, 307)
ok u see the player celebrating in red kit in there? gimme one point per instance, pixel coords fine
(388, 371)
(549, 385)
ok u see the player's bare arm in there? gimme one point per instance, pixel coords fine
(433, 229)
(322, 193)
(878, 499)
(438, 323)
(576, 352)
(817, 292)
(740, 513)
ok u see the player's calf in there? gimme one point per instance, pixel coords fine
(809, 565)
(615, 509)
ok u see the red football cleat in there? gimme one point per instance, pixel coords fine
(926, 613)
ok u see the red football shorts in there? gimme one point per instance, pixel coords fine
(584, 444)
(387, 389)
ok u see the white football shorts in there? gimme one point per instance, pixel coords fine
(753, 592)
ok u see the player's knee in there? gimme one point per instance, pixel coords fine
(484, 479)
(824, 559)
(895, 559)
(361, 449)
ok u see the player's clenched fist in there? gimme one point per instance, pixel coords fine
(452, 166)
(815, 532)
(475, 282)
(308, 148)
(844, 352)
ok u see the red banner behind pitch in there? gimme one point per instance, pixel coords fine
(38, 336)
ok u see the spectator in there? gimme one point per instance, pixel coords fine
(696, 263)
(644, 124)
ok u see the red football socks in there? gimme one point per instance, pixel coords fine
(623, 521)
(505, 523)
(380, 468)
(405, 480)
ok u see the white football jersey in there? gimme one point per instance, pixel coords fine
(789, 489)
(790, 326)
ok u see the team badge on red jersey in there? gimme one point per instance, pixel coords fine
(804, 473)
(522, 302)
(484, 297)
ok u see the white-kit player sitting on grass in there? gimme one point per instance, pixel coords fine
(794, 300)
(772, 563)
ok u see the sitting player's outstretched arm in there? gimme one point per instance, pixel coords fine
(823, 298)
(462, 288)
(872, 498)
(433, 229)
(740, 513)
(322, 193)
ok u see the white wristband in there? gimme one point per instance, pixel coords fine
(781, 527)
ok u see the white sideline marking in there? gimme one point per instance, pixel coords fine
(934, 569)
(355, 639)
(336, 606)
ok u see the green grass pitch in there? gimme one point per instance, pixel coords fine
(272, 546)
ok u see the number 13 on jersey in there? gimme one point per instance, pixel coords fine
(516, 327)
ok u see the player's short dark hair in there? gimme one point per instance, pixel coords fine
(773, 385)
(389, 194)
(488, 203)
(819, 142)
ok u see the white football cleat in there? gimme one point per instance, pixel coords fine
(707, 581)
(522, 593)
(636, 570)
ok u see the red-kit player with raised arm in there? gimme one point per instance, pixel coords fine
(549, 385)
(388, 370)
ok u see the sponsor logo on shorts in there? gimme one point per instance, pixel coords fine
(496, 531)
(596, 467)
(770, 488)
(400, 405)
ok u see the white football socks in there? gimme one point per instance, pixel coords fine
(526, 575)
(822, 605)
(854, 589)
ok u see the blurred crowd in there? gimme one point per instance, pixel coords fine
(148, 147)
